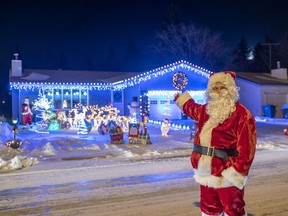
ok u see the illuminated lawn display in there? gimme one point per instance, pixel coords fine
(65, 99)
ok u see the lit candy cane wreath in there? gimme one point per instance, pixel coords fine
(179, 80)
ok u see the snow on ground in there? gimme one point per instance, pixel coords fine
(67, 145)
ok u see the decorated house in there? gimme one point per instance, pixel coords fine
(153, 90)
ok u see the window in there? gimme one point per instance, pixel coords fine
(57, 98)
(66, 99)
(75, 97)
(84, 97)
(153, 102)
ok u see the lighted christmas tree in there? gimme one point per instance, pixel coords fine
(42, 105)
(144, 104)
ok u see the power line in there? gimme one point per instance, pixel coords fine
(270, 54)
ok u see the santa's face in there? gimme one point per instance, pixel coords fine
(218, 87)
(220, 104)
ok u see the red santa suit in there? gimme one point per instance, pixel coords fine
(223, 178)
(27, 112)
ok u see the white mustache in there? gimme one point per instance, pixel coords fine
(221, 94)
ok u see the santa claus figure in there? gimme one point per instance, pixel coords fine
(27, 113)
(224, 145)
(133, 107)
(165, 126)
(286, 131)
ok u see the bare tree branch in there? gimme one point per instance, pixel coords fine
(196, 44)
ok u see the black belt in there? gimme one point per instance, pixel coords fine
(214, 152)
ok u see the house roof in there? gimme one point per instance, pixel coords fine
(101, 80)
(70, 76)
(262, 78)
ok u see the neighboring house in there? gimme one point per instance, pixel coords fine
(261, 89)
(153, 89)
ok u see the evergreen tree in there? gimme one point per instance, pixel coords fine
(240, 59)
(259, 63)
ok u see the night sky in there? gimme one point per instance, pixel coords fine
(46, 32)
(80, 34)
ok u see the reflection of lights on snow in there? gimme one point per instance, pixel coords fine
(265, 145)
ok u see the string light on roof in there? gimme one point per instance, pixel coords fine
(172, 93)
(144, 77)
(32, 86)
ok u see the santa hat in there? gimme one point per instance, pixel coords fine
(226, 78)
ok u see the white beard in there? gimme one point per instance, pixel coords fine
(220, 106)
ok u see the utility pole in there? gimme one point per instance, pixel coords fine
(270, 50)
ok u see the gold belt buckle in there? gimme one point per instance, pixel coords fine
(212, 153)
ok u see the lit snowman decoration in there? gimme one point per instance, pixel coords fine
(165, 126)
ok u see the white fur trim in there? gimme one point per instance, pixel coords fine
(235, 177)
(183, 98)
(203, 173)
(211, 181)
(206, 132)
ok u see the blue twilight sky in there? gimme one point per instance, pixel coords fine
(80, 33)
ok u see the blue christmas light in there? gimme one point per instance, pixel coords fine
(116, 86)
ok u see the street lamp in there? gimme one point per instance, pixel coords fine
(14, 143)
